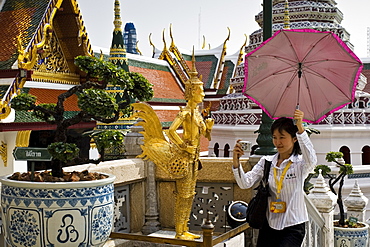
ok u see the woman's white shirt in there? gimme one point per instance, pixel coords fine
(292, 192)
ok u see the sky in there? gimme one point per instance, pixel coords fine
(194, 19)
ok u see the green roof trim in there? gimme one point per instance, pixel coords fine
(28, 117)
(366, 66)
(166, 124)
(3, 89)
(9, 63)
(139, 64)
(229, 68)
(214, 61)
(146, 65)
(168, 100)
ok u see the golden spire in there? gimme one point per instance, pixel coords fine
(193, 72)
(193, 80)
(164, 41)
(286, 16)
(151, 43)
(137, 48)
(204, 42)
(221, 63)
(117, 17)
(177, 53)
(241, 51)
(171, 36)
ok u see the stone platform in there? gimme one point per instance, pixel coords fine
(237, 241)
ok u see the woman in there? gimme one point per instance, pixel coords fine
(295, 159)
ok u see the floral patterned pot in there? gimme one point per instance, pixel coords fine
(47, 214)
(351, 237)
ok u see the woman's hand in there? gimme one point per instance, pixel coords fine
(237, 153)
(298, 117)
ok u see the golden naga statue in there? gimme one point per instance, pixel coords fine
(178, 157)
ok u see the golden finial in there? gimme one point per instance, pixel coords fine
(101, 55)
(241, 51)
(171, 36)
(151, 43)
(286, 15)
(228, 36)
(164, 40)
(204, 42)
(137, 48)
(117, 17)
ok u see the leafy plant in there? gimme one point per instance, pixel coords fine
(93, 101)
(95, 104)
(63, 151)
(105, 139)
(344, 170)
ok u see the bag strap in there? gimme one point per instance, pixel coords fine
(266, 171)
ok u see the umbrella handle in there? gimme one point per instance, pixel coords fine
(297, 108)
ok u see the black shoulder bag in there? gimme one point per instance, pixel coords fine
(256, 211)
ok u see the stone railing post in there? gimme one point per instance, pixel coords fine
(133, 140)
(324, 200)
(356, 203)
(151, 203)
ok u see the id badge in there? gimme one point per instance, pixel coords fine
(278, 207)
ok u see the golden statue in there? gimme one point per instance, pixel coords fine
(178, 157)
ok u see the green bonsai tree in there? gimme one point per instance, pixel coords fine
(344, 170)
(95, 104)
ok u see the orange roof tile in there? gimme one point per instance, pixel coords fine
(165, 85)
(13, 23)
(51, 96)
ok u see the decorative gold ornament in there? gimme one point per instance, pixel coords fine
(23, 138)
(221, 63)
(286, 15)
(50, 57)
(26, 60)
(178, 157)
(4, 153)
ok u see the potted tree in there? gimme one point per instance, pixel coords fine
(347, 232)
(52, 210)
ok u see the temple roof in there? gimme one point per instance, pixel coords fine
(18, 18)
(39, 42)
(33, 22)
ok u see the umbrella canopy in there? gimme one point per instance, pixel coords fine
(315, 70)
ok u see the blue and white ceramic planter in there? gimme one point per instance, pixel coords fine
(69, 214)
(351, 237)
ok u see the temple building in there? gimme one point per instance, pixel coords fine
(42, 38)
(239, 118)
(39, 43)
(129, 38)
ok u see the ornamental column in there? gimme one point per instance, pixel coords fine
(356, 203)
(325, 201)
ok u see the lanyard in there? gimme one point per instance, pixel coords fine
(279, 183)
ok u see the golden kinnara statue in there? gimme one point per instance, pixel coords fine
(178, 157)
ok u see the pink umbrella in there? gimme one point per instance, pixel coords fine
(307, 68)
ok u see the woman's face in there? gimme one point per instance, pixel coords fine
(283, 142)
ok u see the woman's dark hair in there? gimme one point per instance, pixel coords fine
(288, 125)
